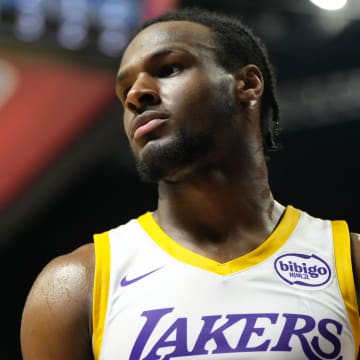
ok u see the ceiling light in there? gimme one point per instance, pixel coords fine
(330, 4)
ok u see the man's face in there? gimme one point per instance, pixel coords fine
(178, 101)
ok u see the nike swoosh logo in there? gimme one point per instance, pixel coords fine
(125, 282)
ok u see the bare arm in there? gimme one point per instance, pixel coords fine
(355, 244)
(56, 320)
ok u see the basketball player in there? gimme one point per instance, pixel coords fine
(220, 269)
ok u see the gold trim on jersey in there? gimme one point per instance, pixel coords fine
(344, 270)
(101, 289)
(276, 239)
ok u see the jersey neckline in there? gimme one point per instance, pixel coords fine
(270, 245)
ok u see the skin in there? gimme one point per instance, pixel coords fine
(218, 204)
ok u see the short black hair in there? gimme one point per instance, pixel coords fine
(236, 46)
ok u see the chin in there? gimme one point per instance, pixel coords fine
(150, 164)
(170, 158)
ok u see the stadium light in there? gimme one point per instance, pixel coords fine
(330, 4)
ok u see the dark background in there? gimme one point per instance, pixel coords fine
(92, 185)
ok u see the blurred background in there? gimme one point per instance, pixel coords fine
(66, 170)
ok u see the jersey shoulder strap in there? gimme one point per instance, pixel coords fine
(344, 270)
(100, 289)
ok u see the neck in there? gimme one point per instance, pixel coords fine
(229, 212)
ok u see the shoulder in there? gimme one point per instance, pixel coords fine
(355, 243)
(355, 237)
(66, 277)
(59, 303)
(67, 273)
(355, 250)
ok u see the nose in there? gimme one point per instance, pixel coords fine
(142, 94)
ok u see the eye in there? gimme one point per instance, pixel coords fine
(169, 70)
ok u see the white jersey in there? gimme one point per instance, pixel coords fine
(293, 297)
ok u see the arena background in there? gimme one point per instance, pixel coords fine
(66, 170)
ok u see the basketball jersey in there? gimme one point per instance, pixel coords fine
(293, 297)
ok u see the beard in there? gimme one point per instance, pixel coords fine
(161, 161)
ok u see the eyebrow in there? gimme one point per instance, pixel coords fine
(157, 54)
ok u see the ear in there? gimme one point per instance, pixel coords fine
(249, 84)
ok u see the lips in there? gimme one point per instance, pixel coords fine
(147, 122)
